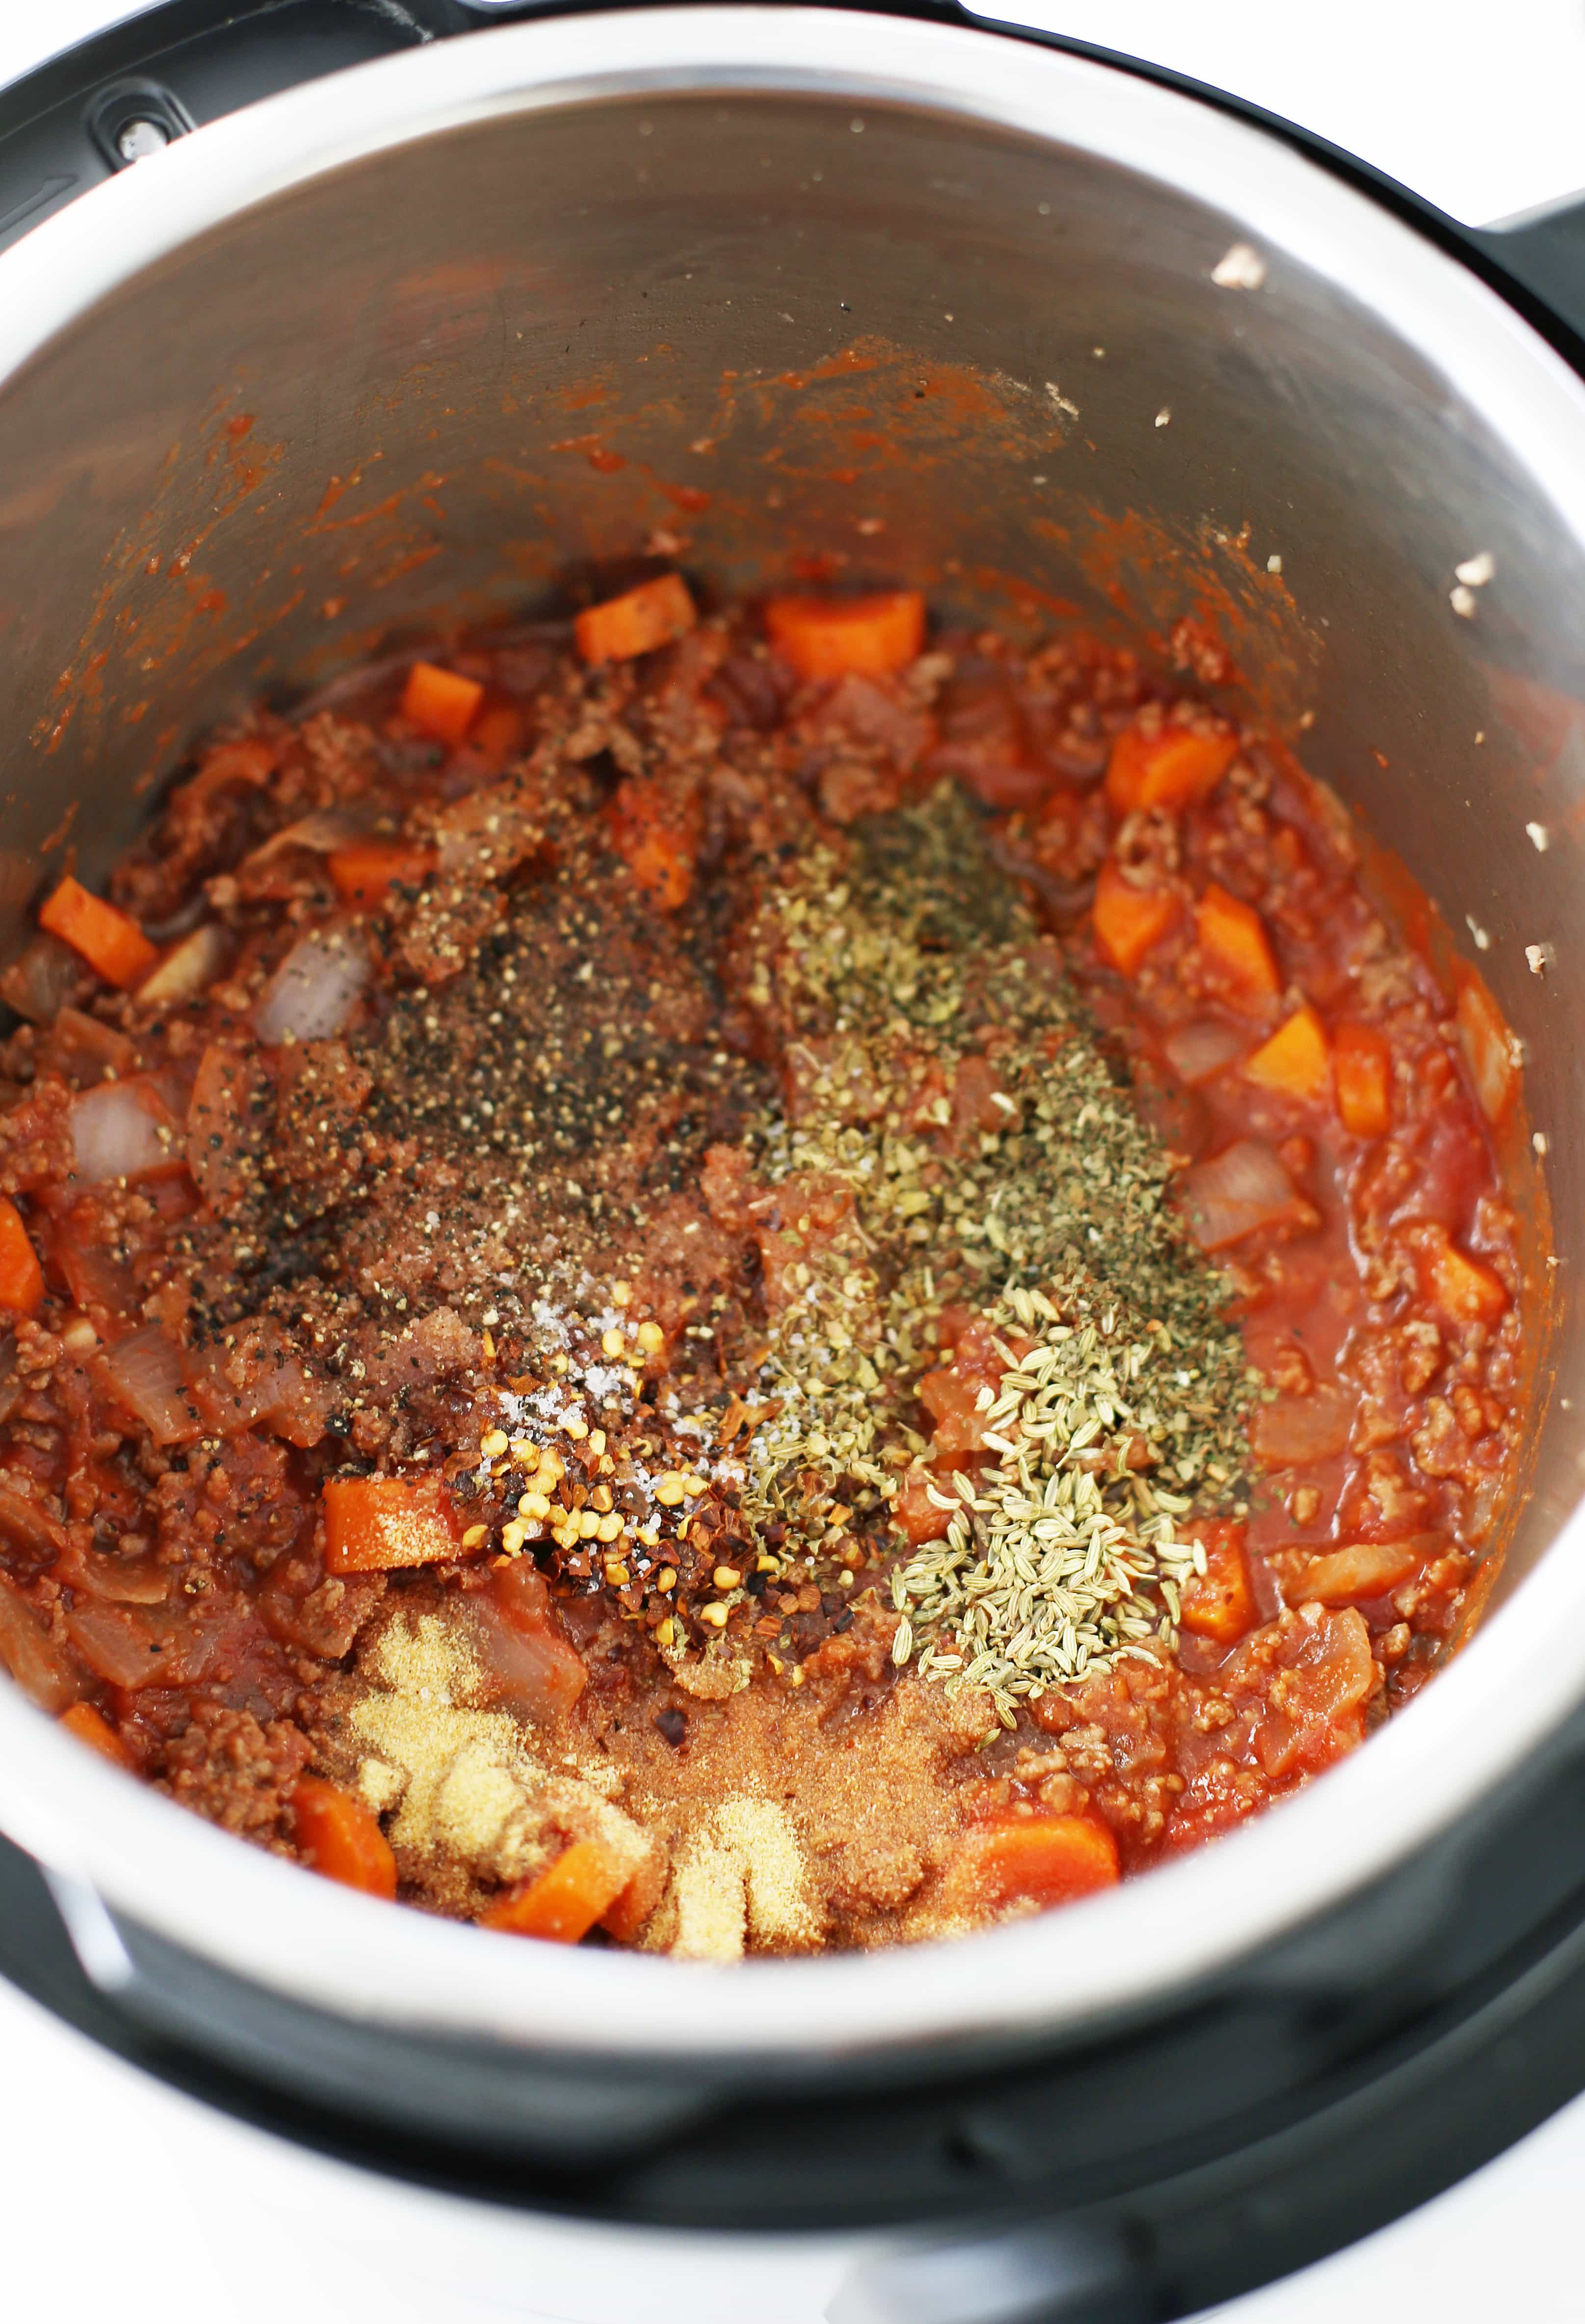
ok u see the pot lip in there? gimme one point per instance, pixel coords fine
(1134, 1946)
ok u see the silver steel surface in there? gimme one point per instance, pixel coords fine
(421, 337)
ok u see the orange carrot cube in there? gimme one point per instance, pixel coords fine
(1236, 949)
(1362, 1069)
(564, 1902)
(1167, 765)
(341, 1837)
(114, 945)
(1297, 1060)
(827, 637)
(1129, 921)
(655, 613)
(374, 1525)
(440, 702)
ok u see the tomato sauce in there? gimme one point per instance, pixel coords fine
(414, 1230)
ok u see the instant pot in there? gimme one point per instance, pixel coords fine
(323, 320)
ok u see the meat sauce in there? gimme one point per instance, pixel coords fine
(416, 1223)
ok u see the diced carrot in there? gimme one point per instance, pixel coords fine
(1219, 1604)
(341, 1837)
(1129, 921)
(1233, 939)
(1297, 1061)
(364, 872)
(90, 1727)
(656, 834)
(1362, 1064)
(114, 946)
(21, 1279)
(564, 1902)
(1167, 765)
(440, 702)
(655, 613)
(374, 1524)
(498, 732)
(1462, 1287)
(827, 637)
(1042, 1859)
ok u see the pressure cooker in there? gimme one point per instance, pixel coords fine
(320, 322)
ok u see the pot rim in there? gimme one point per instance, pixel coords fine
(1136, 1945)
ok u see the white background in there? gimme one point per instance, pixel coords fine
(117, 2198)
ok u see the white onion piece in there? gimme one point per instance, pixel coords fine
(314, 991)
(144, 1374)
(189, 967)
(1196, 1052)
(1240, 1190)
(116, 1133)
(321, 833)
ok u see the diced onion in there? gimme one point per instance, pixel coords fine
(41, 979)
(1238, 1191)
(30, 1656)
(194, 963)
(116, 1133)
(321, 833)
(1195, 1052)
(314, 992)
(144, 1374)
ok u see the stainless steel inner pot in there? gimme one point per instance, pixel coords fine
(412, 342)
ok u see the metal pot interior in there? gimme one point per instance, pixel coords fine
(424, 343)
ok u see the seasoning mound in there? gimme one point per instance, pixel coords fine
(1064, 1555)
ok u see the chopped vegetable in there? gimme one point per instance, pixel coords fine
(340, 1837)
(373, 1524)
(1233, 940)
(1238, 1191)
(188, 967)
(364, 872)
(1128, 920)
(1219, 1604)
(526, 1656)
(314, 992)
(1362, 1069)
(1167, 765)
(124, 1129)
(564, 1902)
(1200, 1051)
(114, 946)
(440, 702)
(1462, 1287)
(656, 835)
(1361, 1569)
(1039, 1859)
(1487, 1044)
(21, 1279)
(44, 1671)
(143, 1372)
(655, 613)
(827, 637)
(90, 1727)
(1297, 1060)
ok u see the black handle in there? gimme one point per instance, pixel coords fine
(1545, 255)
